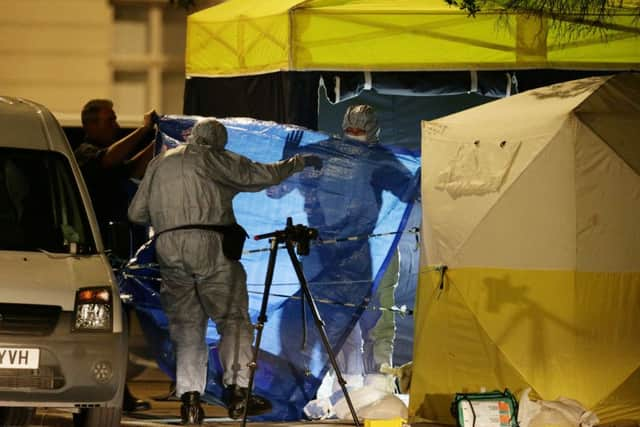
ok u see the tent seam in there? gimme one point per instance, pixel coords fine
(516, 179)
(498, 348)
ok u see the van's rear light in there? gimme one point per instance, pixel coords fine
(93, 309)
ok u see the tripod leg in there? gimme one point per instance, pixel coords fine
(262, 319)
(321, 330)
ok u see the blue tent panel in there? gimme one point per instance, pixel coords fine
(359, 202)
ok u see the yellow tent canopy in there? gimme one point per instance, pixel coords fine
(244, 37)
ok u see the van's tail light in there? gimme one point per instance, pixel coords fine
(93, 309)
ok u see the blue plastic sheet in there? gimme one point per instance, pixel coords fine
(359, 202)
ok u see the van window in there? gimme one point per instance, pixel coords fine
(40, 205)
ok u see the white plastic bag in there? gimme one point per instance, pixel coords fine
(562, 412)
(389, 407)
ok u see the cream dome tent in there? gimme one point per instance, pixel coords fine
(533, 205)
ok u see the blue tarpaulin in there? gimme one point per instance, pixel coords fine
(359, 202)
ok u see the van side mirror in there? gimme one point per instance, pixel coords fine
(117, 240)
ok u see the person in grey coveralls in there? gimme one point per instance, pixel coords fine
(184, 189)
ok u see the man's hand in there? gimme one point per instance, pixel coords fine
(312, 160)
(277, 191)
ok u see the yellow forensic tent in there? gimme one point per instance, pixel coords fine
(244, 37)
(533, 203)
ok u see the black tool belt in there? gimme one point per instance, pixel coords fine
(233, 237)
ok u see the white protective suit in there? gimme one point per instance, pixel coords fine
(369, 346)
(195, 184)
(366, 351)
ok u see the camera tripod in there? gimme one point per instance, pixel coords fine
(300, 236)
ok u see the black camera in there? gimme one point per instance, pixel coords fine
(301, 236)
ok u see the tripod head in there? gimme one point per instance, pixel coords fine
(299, 235)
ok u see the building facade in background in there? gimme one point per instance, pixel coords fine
(62, 53)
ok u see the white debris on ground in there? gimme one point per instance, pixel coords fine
(373, 397)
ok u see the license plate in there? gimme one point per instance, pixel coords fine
(19, 358)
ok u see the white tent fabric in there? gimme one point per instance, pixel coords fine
(542, 282)
(539, 134)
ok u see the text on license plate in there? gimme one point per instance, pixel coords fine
(19, 358)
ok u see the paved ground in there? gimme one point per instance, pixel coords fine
(152, 383)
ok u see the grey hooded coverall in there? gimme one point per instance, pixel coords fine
(195, 184)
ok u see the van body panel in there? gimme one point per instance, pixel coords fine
(42, 186)
(26, 277)
(26, 124)
(66, 372)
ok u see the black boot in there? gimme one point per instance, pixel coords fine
(191, 412)
(130, 403)
(235, 397)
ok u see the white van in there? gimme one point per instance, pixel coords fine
(63, 343)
